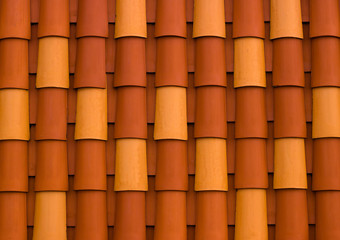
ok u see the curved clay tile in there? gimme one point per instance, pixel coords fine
(324, 18)
(171, 216)
(327, 206)
(53, 66)
(90, 64)
(248, 19)
(90, 168)
(171, 165)
(326, 164)
(15, 19)
(131, 113)
(51, 120)
(325, 62)
(171, 64)
(289, 112)
(250, 118)
(211, 216)
(130, 68)
(326, 112)
(211, 165)
(91, 215)
(288, 62)
(51, 166)
(92, 19)
(210, 67)
(171, 18)
(54, 18)
(251, 163)
(290, 163)
(211, 112)
(285, 19)
(13, 155)
(251, 214)
(209, 18)
(249, 63)
(14, 63)
(291, 218)
(13, 217)
(171, 113)
(50, 216)
(14, 120)
(91, 114)
(131, 165)
(130, 216)
(130, 18)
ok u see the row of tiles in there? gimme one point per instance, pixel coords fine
(151, 10)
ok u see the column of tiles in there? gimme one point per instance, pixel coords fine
(290, 177)
(170, 131)
(325, 33)
(52, 82)
(91, 121)
(15, 32)
(210, 132)
(251, 178)
(131, 181)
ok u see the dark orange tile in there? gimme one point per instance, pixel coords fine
(13, 166)
(110, 151)
(150, 49)
(170, 18)
(151, 11)
(210, 68)
(190, 49)
(32, 152)
(151, 152)
(307, 53)
(231, 201)
(92, 19)
(54, 18)
(110, 201)
(71, 204)
(131, 113)
(51, 166)
(211, 118)
(90, 168)
(251, 164)
(90, 63)
(130, 216)
(71, 149)
(111, 99)
(33, 99)
(130, 65)
(171, 171)
(51, 114)
(72, 48)
(229, 47)
(171, 64)
(191, 95)
(248, 19)
(228, 7)
(33, 50)
(150, 97)
(271, 201)
(191, 202)
(110, 50)
(150, 203)
(30, 202)
(35, 11)
(191, 149)
(111, 7)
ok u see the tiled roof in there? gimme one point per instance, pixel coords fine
(169, 120)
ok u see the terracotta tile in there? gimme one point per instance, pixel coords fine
(71, 204)
(32, 152)
(210, 62)
(151, 152)
(15, 19)
(30, 202)
(191, 96)
(308, 97)
(130, 109)
(248, 19)
(305, 6)
(35, 11)
(210, 119)
(269, 97)
(191, 202)
(111, 99)
(51, 114)
(13, 215)
(268, 46)
(111, 8)
(271, 201)
(251, 164)
(150, 203)
(71, 102)
(190, 49)
(270, 147)
(170, 18)
(130, 215)
(33, 99)
(110, 151)
(229, 46)
(72, 45)
(73, 10)
(191, 149)
(211, 217)
(171, 64)
(90, 168)
(231, 148)
(228, 7)
(307, 56)
(110, 201)
(71, 149)
(14, 70)
(291, 203)
(51, 167)
(90, 63)
(171, 164)
(92, 19)
(33, 50)
(91, 215)
(324, 18)
(150, 97)
(13, 155)
(266, 10)
(311, 201)
(231, 200)
(289, 113)
(53, 18)
(130, 65)
(230, 98)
